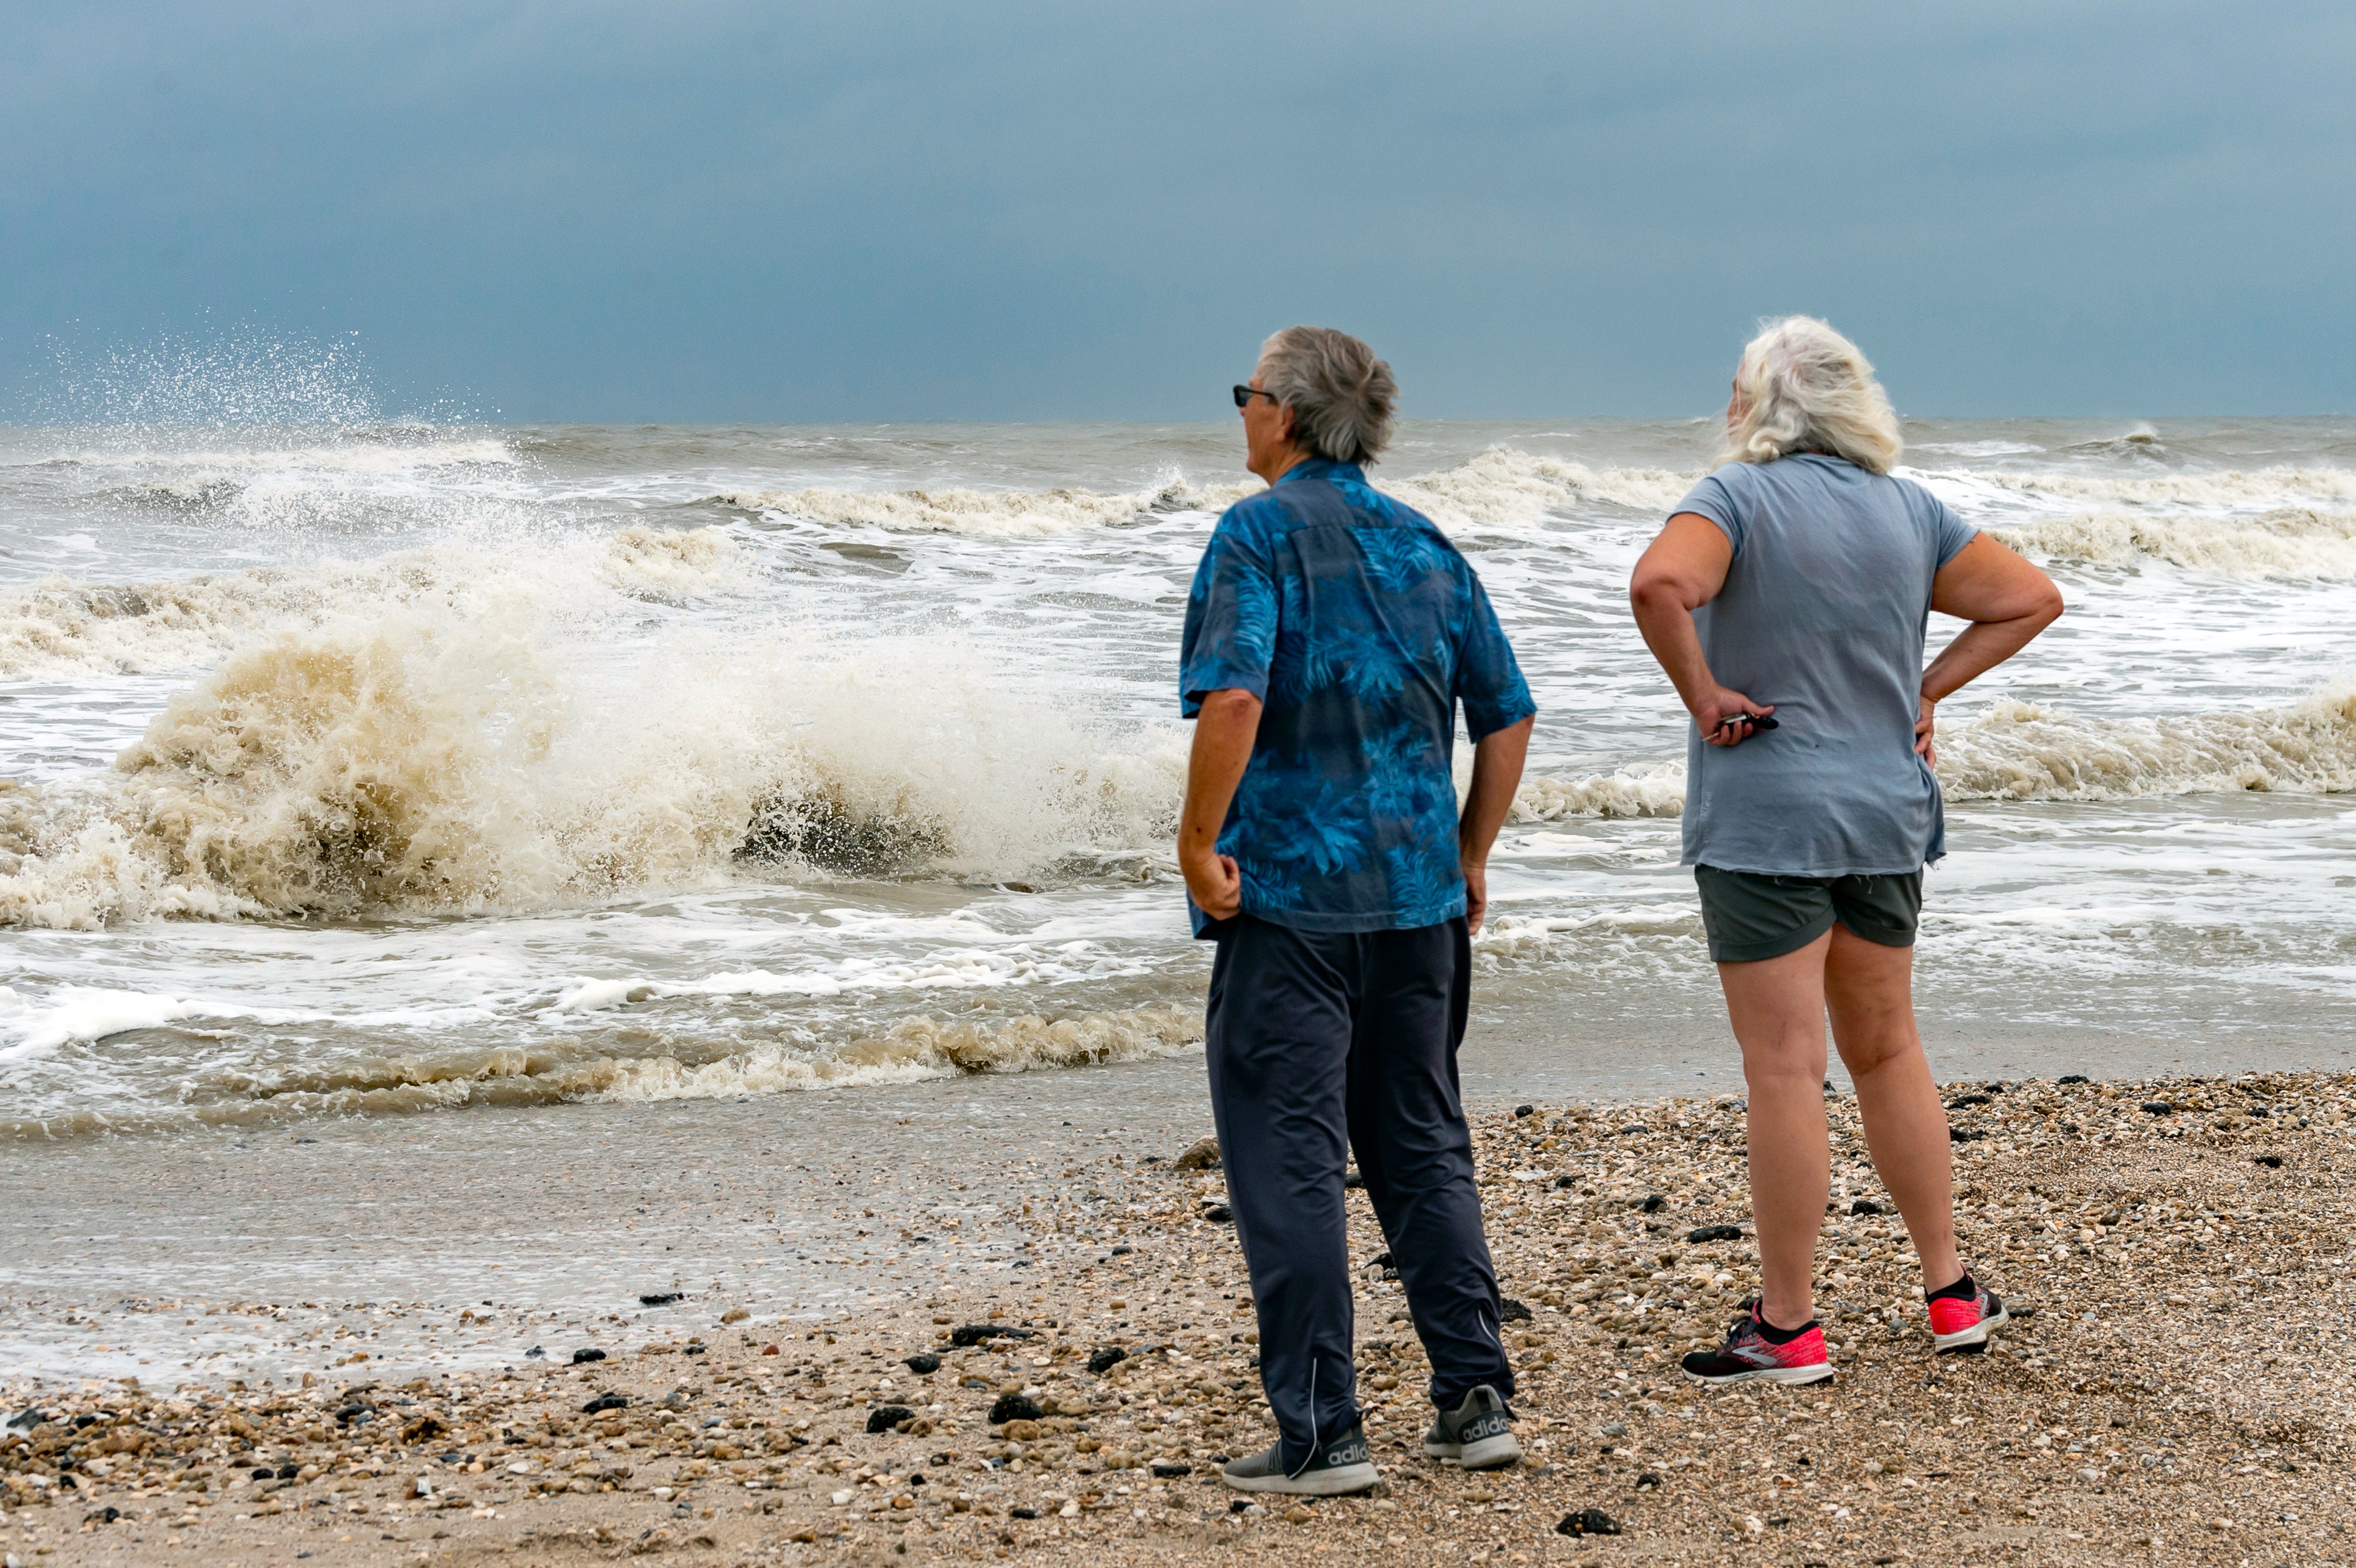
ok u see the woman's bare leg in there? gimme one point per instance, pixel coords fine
(1870, 991)
(1777, 1008)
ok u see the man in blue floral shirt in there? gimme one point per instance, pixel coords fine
(1331, 635)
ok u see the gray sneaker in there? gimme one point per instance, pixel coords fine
(1338, 1468)
(1477, 1435)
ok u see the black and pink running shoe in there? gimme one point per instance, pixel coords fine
(1750, 1355)
(1963, 1317)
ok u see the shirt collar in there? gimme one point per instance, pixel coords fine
(1321, 468)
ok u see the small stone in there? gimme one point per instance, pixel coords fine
(1022, 1513)
(2072, 1077)
(923, 1364)
(1020, 1431)
(1104, 1360)
(1202, 1154)
(1653, 1204)
(1966, 1135)
(1648, 1480)
(1296, 1514)
(662, 1298)
(1353, 1179)
(734, 1314)
(588, 1355)
(605, 1402)
(1520, 1111)
(1219, 1214)
(535, 1353)
(976, 1333)
(1715, 1233)
(1167, 1468)
(2271, 1161)
(1865, 1206)
(1588, 1521)
(2159, 1108)
(885, 1417)
(1512, 1311)
(1014, 1407)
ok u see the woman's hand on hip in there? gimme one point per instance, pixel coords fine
(1713, 711)
(1926, 734)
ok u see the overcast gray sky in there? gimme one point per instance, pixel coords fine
(907, 209)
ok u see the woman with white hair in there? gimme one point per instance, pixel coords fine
(1787, 599)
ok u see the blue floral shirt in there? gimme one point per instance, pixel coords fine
(1360, 628)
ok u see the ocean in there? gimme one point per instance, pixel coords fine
(378, 769)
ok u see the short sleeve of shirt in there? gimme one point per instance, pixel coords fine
(1230, 637)
(1488, 678)
(1952, 532)
(1715, 498)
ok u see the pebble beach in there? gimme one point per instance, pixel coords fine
(2175, 1253)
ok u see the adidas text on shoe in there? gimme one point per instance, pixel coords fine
(1966, 1323)
(1749, 1355)
(1478, 1434)
(1338, 1468)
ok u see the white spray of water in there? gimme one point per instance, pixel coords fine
(2293, 543)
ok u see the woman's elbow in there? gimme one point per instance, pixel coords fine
(2050, 605)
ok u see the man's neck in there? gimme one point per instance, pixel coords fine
(1293, 458)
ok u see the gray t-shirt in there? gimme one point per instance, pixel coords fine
(1823, 614)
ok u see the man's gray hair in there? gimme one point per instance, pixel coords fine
(1343, 398)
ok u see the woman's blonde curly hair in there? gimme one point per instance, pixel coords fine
(1802, 387)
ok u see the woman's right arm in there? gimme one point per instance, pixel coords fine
(1682, 570)
(2008, 602)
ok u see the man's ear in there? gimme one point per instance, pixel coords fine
(1284, 422)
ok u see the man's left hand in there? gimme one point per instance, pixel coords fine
(1476, 896)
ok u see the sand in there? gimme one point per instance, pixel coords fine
(2175, 1392)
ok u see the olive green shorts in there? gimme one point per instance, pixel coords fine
(1749, 916)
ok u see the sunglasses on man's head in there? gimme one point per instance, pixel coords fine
(1244, 395)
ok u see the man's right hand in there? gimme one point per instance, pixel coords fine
(1720, 704)
(1217, 886)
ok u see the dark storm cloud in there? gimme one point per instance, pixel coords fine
(906, 209)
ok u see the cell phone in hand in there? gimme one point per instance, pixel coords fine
(1756, 721)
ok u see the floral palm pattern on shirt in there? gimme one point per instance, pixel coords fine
(1360, 627)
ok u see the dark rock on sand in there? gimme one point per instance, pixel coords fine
(2160, 1107)
(2072, 1077)
(663, 1298)
(289, 1472)
(1960, 1101)
(1715, 1233)
(1202, 1154)
(1651, 1480)
(1354, 1180)
(264, 1473)
(924, 1364)
(1104, 1360)
(534, 1354)
(1512, 1311)
(1014, 1407)
(102, 1516)
(1526, 1111)
(1022, 1513)
(588, 1355)
(969, 1333)
(1168, 1469)
(1219, 1214)
(1653, 1204)
(1588, 1521)
(1865, 1206)
(354, 1411)
(2271, 1161)
(606, 1402)
(1966, 1135)
(1566, 1180)
(885, 1417)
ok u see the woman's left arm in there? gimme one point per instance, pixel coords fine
(2008, 602)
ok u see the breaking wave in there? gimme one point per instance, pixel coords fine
(451, 755)
(2228, 488)
(558, 1071)
(2020, 750)
(2295, 543)
(61, 627)
(1500, 485)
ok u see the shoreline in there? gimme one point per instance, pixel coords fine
(2173, 1392)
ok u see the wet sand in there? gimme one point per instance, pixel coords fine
(2175, 1392)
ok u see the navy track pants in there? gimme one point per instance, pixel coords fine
(1319, 1043)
